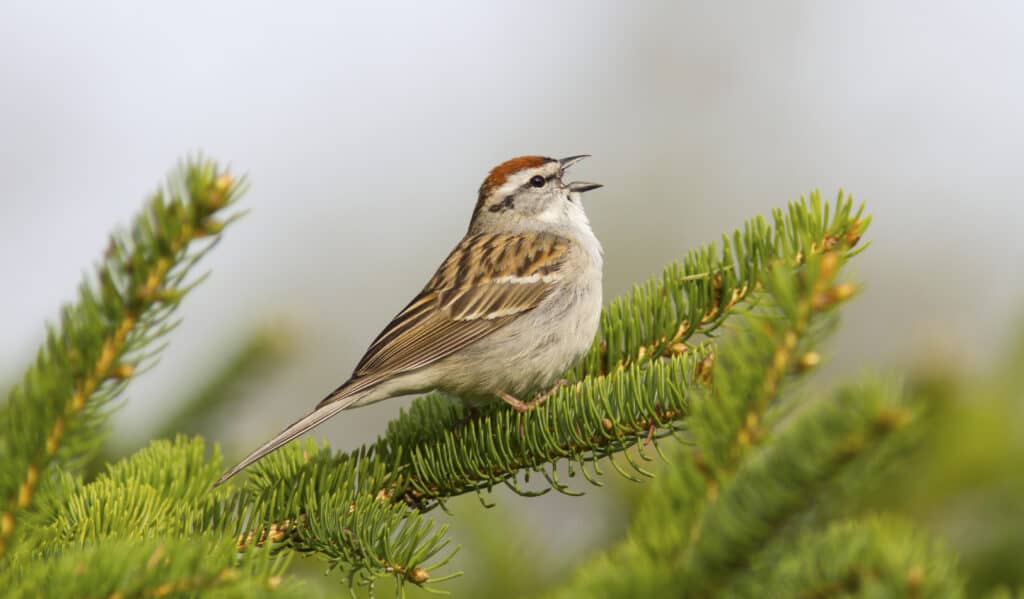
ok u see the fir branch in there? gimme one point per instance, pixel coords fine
(160, 491)
(1004, 592)
(882, 557)
(337, 507)
(197, 566)
(786, 330)
(738, 499)
(726, 425)
(730, 424)
(773, 490)
(696, 296)
(596, 418)
(106, 527)
(56, 415)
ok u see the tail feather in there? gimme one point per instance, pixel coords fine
(324, 410)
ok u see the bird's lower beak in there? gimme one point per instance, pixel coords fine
(577, 186)
(581, 186)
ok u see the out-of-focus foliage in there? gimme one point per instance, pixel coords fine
(965, 481)
(55, 416)
(254, 359)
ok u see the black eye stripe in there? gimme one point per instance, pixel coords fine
(507, 204)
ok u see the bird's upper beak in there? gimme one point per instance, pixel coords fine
(577, 186)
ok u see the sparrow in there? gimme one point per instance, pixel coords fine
(512, 307)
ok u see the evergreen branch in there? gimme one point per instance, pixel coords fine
(336, 506)
(1004, 592)
(56, 414)
(105, 529)
(595, 418)
(881, 557)
(735, 507)
(151, 568)
(731, 424)
(787, 330)
(734, 497)
(696, 296)
(160, 491)
(774, 490)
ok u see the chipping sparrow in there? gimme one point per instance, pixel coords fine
(514, 305)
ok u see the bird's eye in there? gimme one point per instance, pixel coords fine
(538, 181)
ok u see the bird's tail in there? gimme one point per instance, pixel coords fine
(334, 403)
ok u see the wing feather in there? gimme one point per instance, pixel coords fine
(485, 283)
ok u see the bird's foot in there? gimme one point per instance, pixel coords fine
(525, 406)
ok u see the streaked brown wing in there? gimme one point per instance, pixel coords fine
(463, 303)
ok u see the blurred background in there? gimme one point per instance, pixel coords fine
(365, 131)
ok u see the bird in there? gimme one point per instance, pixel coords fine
(512, 307)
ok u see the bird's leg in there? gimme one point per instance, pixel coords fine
(525, 406)
(516, 403)
(652, 426)
(650, 434)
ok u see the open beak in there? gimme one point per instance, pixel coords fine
(577, 186)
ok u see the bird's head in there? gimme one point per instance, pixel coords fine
(528, 193)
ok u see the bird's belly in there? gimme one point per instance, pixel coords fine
(532, 353)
